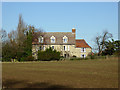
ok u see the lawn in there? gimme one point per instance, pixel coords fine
(61, 74)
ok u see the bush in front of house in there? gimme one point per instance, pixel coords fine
(29, 58)
(48, 55)
(79, 58)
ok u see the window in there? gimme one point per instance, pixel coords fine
(64, 48)
(65, 55)
(53, 47)
(52, 39)
(40, 47)
(40, 39)
(36, 47)
(33, 53)
(83, 49)
(83, 56)
(65, 39)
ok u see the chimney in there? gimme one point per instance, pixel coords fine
(74, 32)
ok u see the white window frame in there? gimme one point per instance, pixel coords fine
(36, 48)
(83, 49)
(68, 48)
(44, 48)
(65, 39)
(52, 38)
(40, 39)
(82, 55)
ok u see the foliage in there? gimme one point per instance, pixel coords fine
(18, 44)
(3, 35)
(28, 45)
(48, 54)
(29, 58)
(92, 56)
(112, 48)
(76, 58)
(6, 53)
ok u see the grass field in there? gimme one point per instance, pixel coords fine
(61, 74)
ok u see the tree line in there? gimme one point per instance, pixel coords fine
(17, 44)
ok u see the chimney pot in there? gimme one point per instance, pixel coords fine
(74, 32)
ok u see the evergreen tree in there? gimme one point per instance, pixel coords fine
(112, 47)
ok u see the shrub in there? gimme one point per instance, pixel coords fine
(48, 54)
(22, 59)
(74, 56)
(29, 58)
(6, 59)
(92, 56)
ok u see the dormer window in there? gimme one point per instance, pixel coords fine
(52, 39)
(65, 39)
(40, 39)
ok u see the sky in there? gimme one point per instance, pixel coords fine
(89, 18)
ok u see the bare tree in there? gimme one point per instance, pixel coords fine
(19, 44)
(21, 31)
(101, 39)
(3, 35)
(13, 36)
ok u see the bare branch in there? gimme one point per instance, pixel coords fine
(101, 39)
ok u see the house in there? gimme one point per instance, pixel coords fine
(65, 42)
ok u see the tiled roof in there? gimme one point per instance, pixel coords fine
(81, 43)
(59, 38)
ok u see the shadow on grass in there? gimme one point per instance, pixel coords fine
(21, 85)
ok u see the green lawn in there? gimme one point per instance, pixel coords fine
(61, 74)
